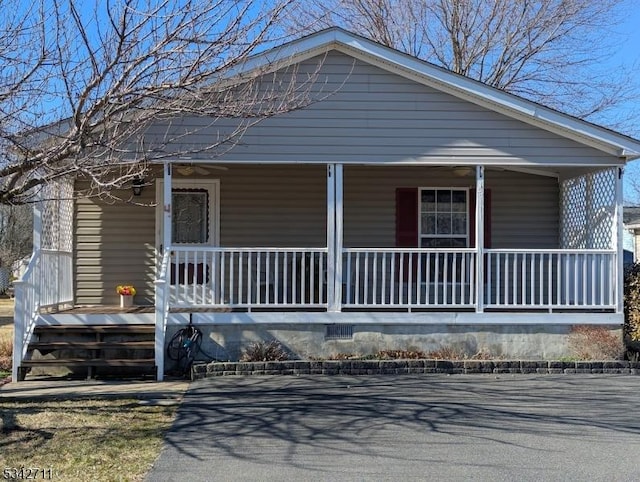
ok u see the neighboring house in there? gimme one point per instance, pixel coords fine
(412, 208)
(631, 219)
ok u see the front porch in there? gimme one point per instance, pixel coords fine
(557, 261)
(449, 252)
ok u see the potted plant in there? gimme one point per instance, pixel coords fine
(126, 292)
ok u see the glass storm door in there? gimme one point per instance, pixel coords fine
(194, 213)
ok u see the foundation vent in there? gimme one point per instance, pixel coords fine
(338, 332)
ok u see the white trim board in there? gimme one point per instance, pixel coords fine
(353, 318)
(381, 318)
(96, 319)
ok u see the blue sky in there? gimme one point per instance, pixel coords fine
(629, 56)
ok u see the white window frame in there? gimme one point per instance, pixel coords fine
(421, 236)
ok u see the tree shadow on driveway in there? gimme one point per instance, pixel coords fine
(285, 420)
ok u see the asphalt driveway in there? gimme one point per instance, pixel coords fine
(433, 427)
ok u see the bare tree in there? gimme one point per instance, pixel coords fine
(81, 82)
(550, 51)
(16, 232)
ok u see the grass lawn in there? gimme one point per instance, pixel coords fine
(108, 439)
(78, 439)
(6, 336)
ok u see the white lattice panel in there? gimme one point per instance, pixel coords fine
(587, 210)
(57, 216)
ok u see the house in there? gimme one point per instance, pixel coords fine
(410, 208)
(631, 222)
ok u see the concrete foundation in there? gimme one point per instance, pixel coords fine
(309, 341)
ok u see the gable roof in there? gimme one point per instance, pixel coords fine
(532, 113)
(631, 217)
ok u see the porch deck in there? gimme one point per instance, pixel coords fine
(115, 310)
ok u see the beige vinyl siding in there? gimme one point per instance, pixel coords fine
(279, 206)
(369, 115)
(114, 244)
(285, 206)
(274, 206)
(525, 210)
(524, 207)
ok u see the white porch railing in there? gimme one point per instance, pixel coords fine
(248, 277)
(56, 278)
(390, 278)
(552, 278)
(399, 277)
(46, 283)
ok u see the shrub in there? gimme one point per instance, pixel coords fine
(446, 353)
(264, 351)
(632, 302)
(400, 355)
(589, 342)
(341, 356)
(6, 353)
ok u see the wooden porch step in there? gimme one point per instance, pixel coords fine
(102, 329)
(92, 345)
(89, 362)
(85, 347)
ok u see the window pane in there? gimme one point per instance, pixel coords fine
(458, 242)
(459, 201)
(443, 225)
(428, 243)
(190, 217)
(444, 201)
(443, 243)
(428, 200)
(459, 223)
(428, 224)
(443, 218)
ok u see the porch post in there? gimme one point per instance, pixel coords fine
(479, 234)
(37, 225)
(618, 243)
(339, 187)
(331, 238)
(166, 211)
(161, 285)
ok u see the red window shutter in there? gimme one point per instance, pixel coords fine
(487, 218)
(407, 217)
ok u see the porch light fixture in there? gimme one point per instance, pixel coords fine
(185, 170)
(137, 185)
(462, 171)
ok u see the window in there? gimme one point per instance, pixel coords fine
(190, 216)
(444, 219)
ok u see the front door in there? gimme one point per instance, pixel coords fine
(194, 213)
(194, 224)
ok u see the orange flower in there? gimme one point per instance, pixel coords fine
(125, 290)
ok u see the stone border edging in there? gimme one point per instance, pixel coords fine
(404, 367)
